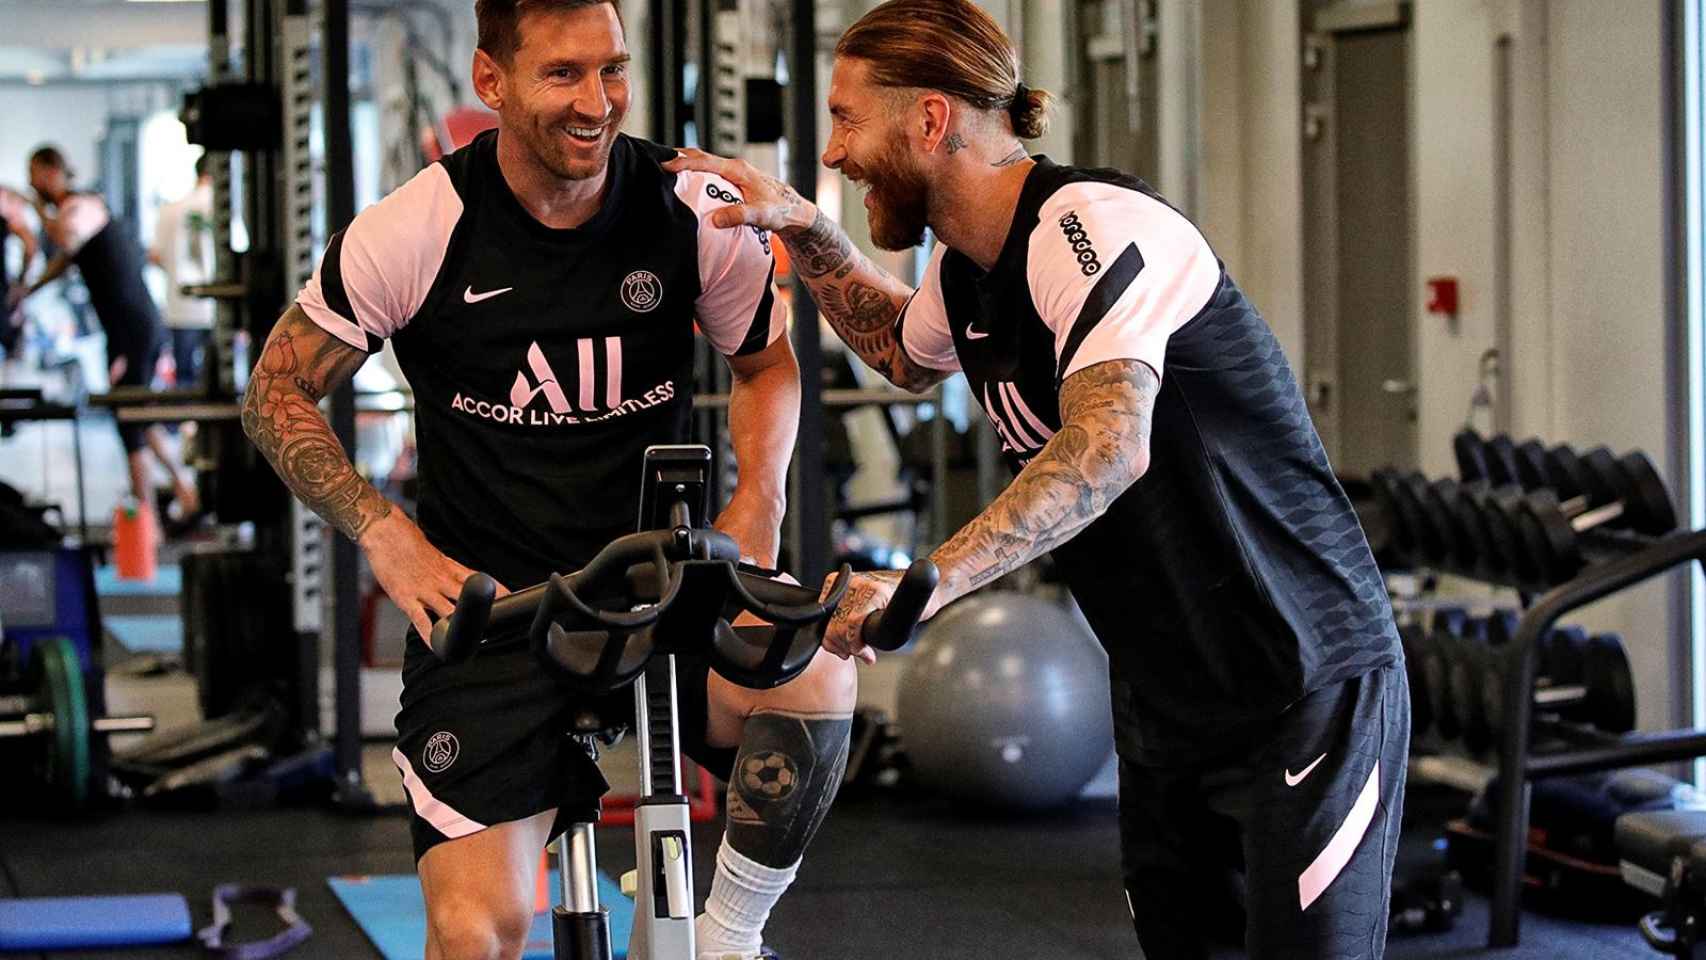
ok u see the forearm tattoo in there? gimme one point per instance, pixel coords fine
(785, 777)
(857, 298)
(296, 368)
(1102, 448)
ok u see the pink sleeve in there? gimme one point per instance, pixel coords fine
(376, 273)
(923, 321)
(738, 310)
(1114, 272)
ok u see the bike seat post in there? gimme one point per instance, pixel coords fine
(580, 925)
(663, 904)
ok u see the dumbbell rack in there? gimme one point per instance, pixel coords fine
(1518, 767)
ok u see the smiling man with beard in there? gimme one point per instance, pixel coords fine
(1161, 451)
(541, 287)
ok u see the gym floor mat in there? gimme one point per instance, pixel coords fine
(168, 582)
(147, 634)
(389, 909)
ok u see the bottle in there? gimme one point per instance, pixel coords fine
(136, 540)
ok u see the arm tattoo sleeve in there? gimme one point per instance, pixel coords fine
(1102, 448)
(858, 299)
(300, 364)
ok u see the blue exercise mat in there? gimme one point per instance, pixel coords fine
(56, 923)
(168, 582)
(147, 634)
(389, 909)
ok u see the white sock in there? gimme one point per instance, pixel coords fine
(742, 895)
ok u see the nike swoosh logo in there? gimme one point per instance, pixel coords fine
(1292, 781)
(469, 296)
(974, 335)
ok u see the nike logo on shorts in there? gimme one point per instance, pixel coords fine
(469, 296)
(1293, 780)
(974, 335)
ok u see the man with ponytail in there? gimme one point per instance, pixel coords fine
(1161, 451)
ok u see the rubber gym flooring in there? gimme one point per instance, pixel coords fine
(884, 879)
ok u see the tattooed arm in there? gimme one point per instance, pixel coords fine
(858, 298)
(1102, 448)
(299, 365)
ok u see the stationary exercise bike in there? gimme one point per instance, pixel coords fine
(671, 589)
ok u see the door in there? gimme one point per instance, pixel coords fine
(1360, 376)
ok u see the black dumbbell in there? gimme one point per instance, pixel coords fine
(1418, 535)
(1502, 470)
(1469, 670)
(1472, 550)
(1565, 472)
(1385, 484)
(1469, 448)
(1414, 638)
(1450, 632)
(1515, 547)
(1603, 695)
(1531, 465)
(1625, 492)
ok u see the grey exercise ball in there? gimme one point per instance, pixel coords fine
(1005, 702)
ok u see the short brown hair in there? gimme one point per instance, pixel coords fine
(948, 45)
(499, 22)
(48, 155)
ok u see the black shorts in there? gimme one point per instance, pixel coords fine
(1311, 815)
(139, 364)
(485, 742)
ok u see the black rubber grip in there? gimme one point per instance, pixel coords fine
(455, 637)
(891, 627)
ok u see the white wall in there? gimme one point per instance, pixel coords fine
(1608, 331)
(1452, 101)
(1251, 180)
(71, 117)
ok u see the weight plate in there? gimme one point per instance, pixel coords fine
(1470, 450)
(1449, 623)
(1501, 461)
(1531, 465)
(66, 761)
(1603, 476)
(1611, 684)
(1566, 650)
(1468, 663)
(1647, 506)
(1565, 472)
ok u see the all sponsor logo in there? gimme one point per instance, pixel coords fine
(538, 397)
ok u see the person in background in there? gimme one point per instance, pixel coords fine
(13, 209)
(86, 235)
(183, 248)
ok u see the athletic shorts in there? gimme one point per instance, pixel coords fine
(486, 741)
(138, 372)
(1310, 816)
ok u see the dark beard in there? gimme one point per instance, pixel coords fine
(901, 208)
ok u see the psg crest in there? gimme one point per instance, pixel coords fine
(642, 291)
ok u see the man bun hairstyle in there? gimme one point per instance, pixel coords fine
(953, 46)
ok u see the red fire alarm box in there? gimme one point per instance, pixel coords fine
(1442, 295)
